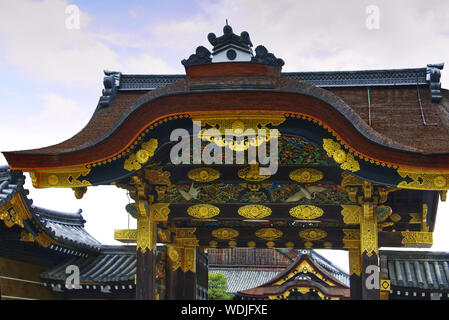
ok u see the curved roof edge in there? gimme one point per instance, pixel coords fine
(67, 229)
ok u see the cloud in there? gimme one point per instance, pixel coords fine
(323, 35)
(55, 105)
(146, 63)
(43, 48)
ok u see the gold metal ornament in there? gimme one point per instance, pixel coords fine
(79, 192)
(225, 233)
(269, 234)
(308, 244)
(355, 262)
(368, 230)
(345, 160)
(289, 244)
(189, 263)
(351, 214)
(306, 212)
(416, 239)
(312, 234)
(14, 212)
(251, 173)
(125, 235)
(146, 234)
(203, 174)
(424, 179)
(254, 211)
(306, 175)
(270, 244)
(395, 217)
(60, 178)
(135, 160)
(238, 125)
(174, 257)
(43, 240)
(213, 243)
(327, 244)
(185, 237)
(203, 211)
(164, 235)
(156, 175)
(185, 233)
(351, 238)
(159, 211)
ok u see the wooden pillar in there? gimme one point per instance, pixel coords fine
(146, 258)
(369, 253)
(182, 277)
(355, 273)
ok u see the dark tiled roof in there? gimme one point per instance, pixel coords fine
(416, 270)
(10, 183)
(147, 82)
(113, 264)
(66, 228)
(324, 79)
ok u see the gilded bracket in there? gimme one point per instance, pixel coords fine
(42, 239)
(60, 178)
(368, 230)
(416, 239)
(146, 227)
(355, 262)
(125, 235)
(368, 191)
(420, 179)
(182, 252)
(14, 212)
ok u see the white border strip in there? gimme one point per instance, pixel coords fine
(16, 298)
(22, 280)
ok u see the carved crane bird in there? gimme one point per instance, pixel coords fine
(304, 192)
(192, 194)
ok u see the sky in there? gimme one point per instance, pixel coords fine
(52, 63)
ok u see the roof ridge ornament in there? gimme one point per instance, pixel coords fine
(231, 47)
(265, 57)
(433, 77)
(111, 82)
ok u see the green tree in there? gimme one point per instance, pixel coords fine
(218, 286)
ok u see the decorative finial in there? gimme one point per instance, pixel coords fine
(231, 47)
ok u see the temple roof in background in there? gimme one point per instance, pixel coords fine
(247, 268)
(416, 270)
(112, 269)
(66, 230)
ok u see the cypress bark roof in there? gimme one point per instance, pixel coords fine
(396, 111)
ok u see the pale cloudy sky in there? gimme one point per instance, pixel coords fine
(51, 75)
